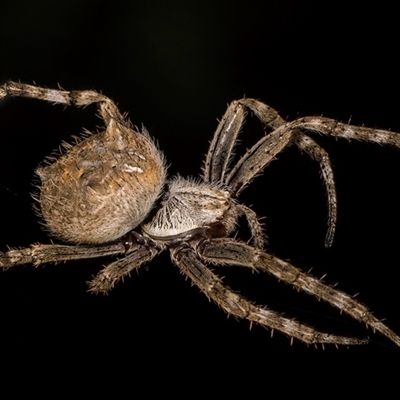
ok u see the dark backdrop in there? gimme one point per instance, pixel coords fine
(175, 66)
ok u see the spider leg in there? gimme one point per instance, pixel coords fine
(117, 270)
(212, 286)
(221, 147)
(45, 253)
(258, 237)
(223, 142)
(330, 127)
(230, 252)
(318, 154)
(265, 150)
(257, 157)
(254, 161)
(77, 98)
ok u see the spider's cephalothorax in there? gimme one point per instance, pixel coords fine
(192, 207)
(99, 193)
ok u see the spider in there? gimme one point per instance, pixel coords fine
(98, 194)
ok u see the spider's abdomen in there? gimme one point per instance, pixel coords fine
(103, 187)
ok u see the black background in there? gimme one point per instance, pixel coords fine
(175, 66)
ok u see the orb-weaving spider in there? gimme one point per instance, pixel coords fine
(98, 195)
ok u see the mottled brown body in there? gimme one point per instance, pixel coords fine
(98, 194)
(90, 194)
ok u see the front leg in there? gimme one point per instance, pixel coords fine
(317, 153)
(225, 137)
(333, 128)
